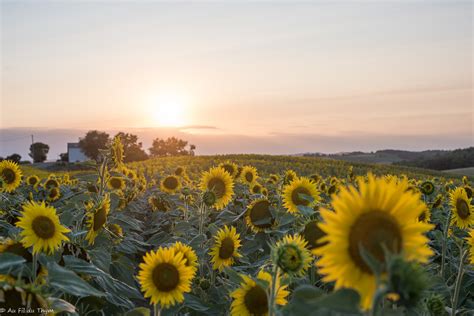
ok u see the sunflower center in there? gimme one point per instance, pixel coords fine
(256, 301)
(8, 175)
(261, 212)
(165, 277)
(217, 186)
(373, 231)
(312, 233)
(462, 208)
(116, 183)
(32, 181)
(53, 193)
(100, 217)
(43, 227)
(170, 183)
(290, 258)
(249, 176)
(295, 196)
(227, 248)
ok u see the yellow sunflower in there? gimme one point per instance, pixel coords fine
(462, 214)
(41, 227)
(116, 183)
(164, 277)
(248, 175)
(258, 215)
(96, 218)
(189, 255)
(170, 184)
(53, 194)
(33, 180)
(220, 182)
(427, 187)
(470, 242)
(379, 215)
(11, 175)
(158, 203)
(289, 176)
(252, 299)
(180, 171)
(225, 249)
(313, 234)
(117, 151)
(292, 194)
(425, 216)
(230, 167)
(256, 188)
(291, 255)
(51, 182)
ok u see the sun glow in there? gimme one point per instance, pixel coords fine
(169, 110)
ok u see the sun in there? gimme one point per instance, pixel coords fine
(169, 110)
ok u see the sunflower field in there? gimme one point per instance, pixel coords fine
(235, 235)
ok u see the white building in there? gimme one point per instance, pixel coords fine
(75, 153)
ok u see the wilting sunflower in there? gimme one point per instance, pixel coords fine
(41, 227)
(116, 183)
(158, 203)
(225, 249)
(23, 299)
(470, 243)
(117, 151)
(53, 194)
(220, 183)
(462, 210)
(291, 255)
(164, 277)
(11, 175)
(248, 175)
(292, 194)
(189, 255)
(230, 167)
(258, 215)
(96, 218)
(33, 180)
(379, 215)
(427, 187)
(170, 184)
(313, 234)
(252, 299)
(289, 176)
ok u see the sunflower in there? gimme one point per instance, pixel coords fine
(33, 180)
(462, 210)
(437, 202)
(289, 176)
(117, 151)
(380, 215)
(225, 250)
(230, 167)
(158, 203)
(425, 216)
(427, 188)
(54, 194)
(180, 171)
(220, 182)
(51, 183)
(468, 190)
(164, 277)
(41, 227)
(291, 255)
(313, 234)
(256, 188)
(259, 216)
(252, 299)
(11, 175)
(96, 218)
(116, 183)
(470, 242)
(116, 229)
(248, 175)
(292, 194)
(189, 255)
(170, 184)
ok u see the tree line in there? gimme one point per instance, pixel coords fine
(95, 140)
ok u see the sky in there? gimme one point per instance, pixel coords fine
(265, 77)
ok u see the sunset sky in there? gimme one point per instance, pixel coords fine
(330, 77)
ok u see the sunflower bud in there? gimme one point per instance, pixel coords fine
(204, 284)
(435, 305)
(291, 255)
(209, 198)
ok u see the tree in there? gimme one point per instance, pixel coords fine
(172, 146)
(39, 152)
(132, 149)
(93, 142)
(14, 157)
(64, 157)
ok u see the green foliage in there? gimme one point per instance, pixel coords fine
(39, 152)
(93, 142)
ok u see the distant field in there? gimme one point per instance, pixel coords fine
(462, 171)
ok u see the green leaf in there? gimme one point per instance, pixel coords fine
(195, 303)
(10, 261)
(140, 311)
(59, 305)
(306, 210)
(343, 301)
(68, 282)
(234, 277)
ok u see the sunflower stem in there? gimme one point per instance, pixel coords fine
(272, 301)
(457, 286)
(378, 299)
(35, 266)
(156, 310)
(444, 245)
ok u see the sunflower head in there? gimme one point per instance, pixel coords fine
(116, 229)
(179, 171)
(427, 187)
(33, 180)
(170, 184)
(10, 174)
(117, 151)
(377, 217)
(259, 216)
(437, 202)
(248, 175)
(218, 181)
(251, 298)
(51, 182)
(225, 249)
(189, 255)
(97, 217)
(300, 192)
(256, 188)
(164, 276)
(159, 203)
(230, 167)
(468, 190)
(289, 176)
(53, 194)
(313, 234)
(116, 183)
(41, 227)
(291, 255)
(462, 210)
(470, 242)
